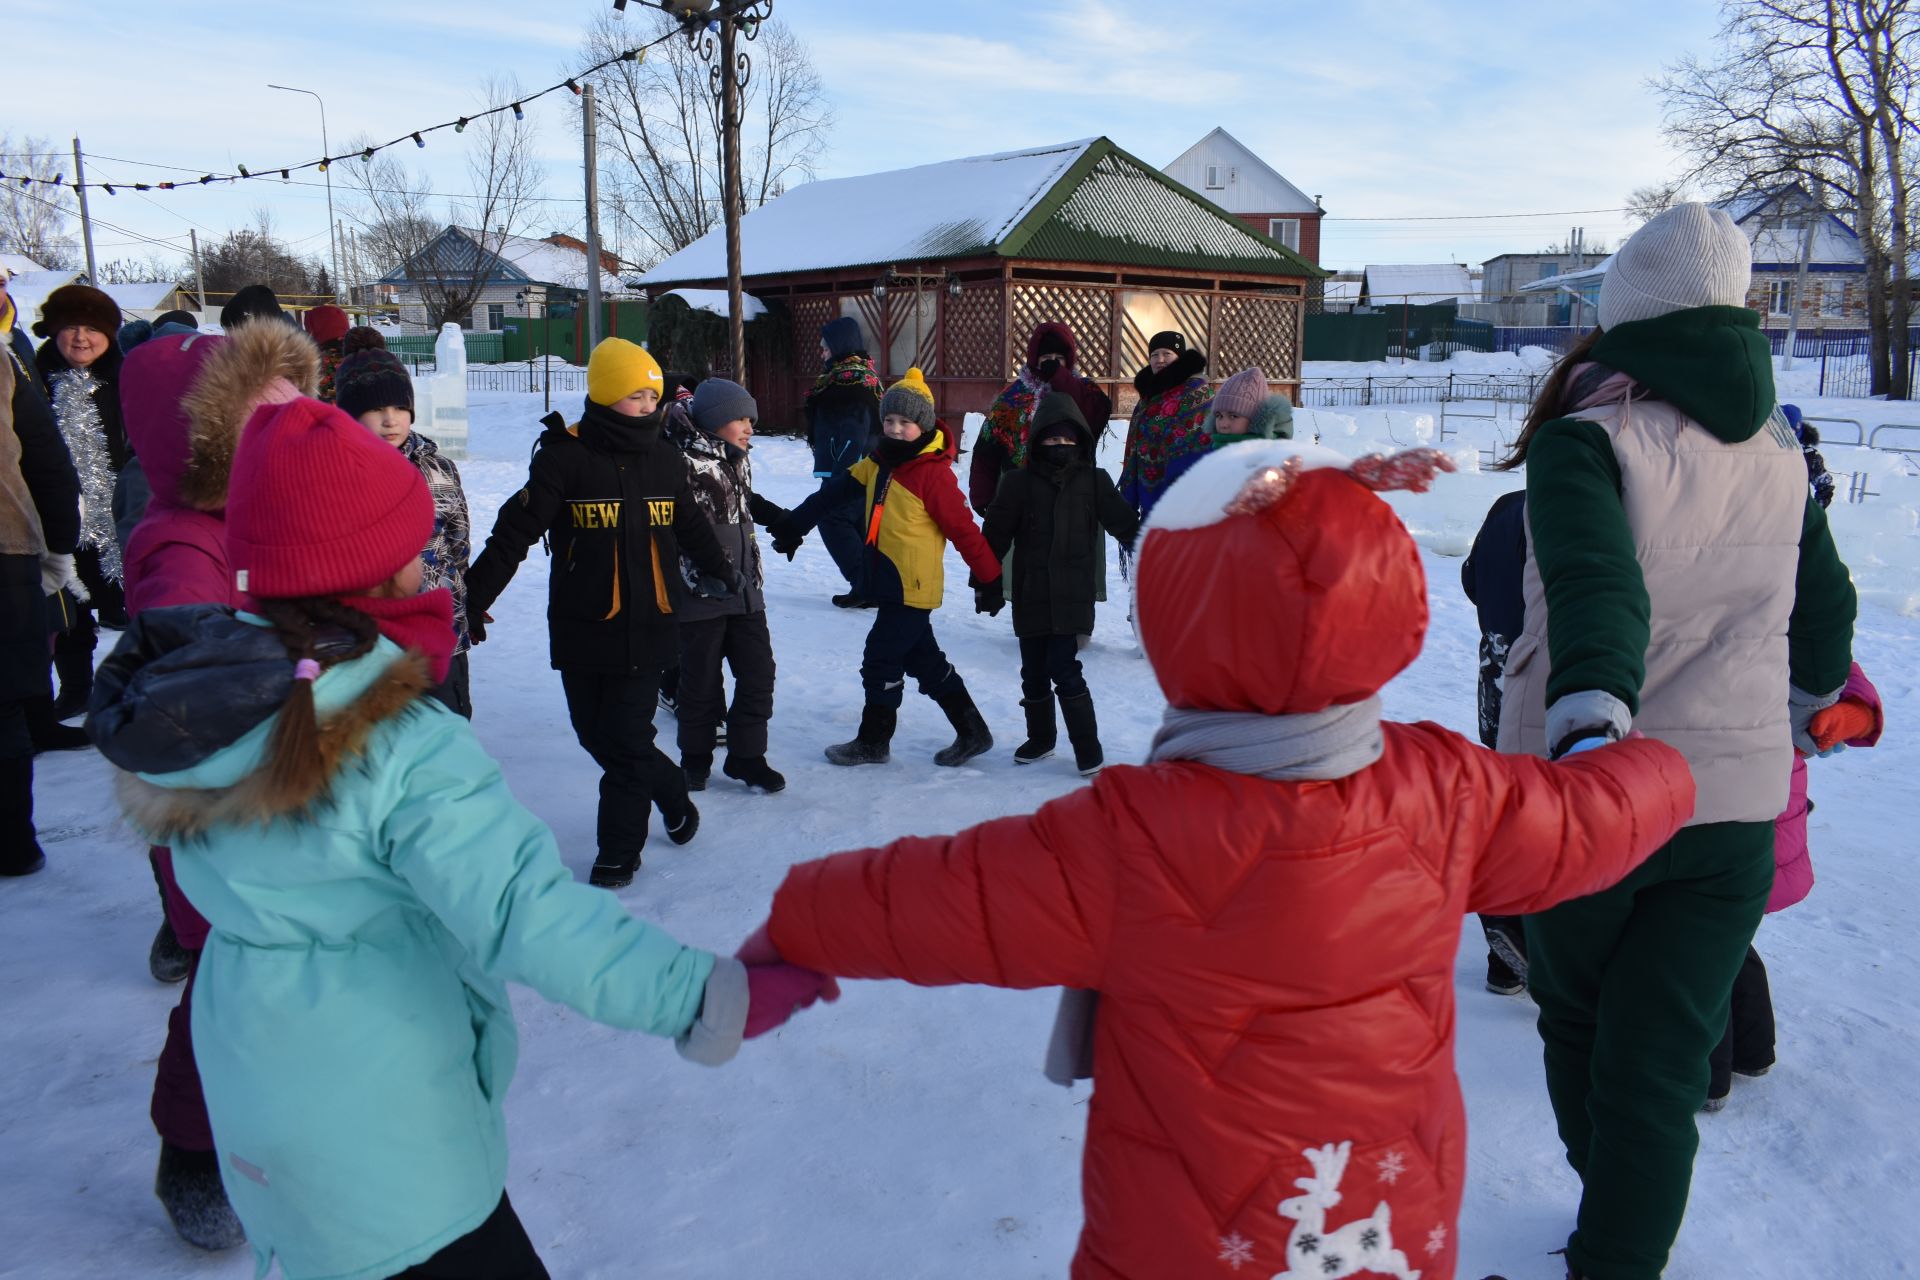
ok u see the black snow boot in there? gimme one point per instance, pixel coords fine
(683, 827)
(1084, 732)
(1507, 942)
(852, 600)
(614, 870)
(971, 736)
(1042, 733)
(755, 773)
(188, 1185)
(20, 853)
(697, 767)
(167, 960)
(870, 745)
(73, 662)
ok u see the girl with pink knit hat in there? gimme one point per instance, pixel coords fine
(1243, 409)
(369, 882)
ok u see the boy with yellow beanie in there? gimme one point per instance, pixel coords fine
(912, 506)
(615, 503)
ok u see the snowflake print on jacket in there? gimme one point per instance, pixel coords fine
(1363, 1245)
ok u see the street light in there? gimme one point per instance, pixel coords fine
(326, 154)
(546, 357)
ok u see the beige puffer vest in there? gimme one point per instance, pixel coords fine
(20, 531)
(1716, 528)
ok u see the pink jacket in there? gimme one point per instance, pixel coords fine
(1792, 861)
(184, 400)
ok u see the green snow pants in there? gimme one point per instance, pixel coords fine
(1634, 985)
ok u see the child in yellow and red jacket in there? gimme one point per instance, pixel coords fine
(912, 508)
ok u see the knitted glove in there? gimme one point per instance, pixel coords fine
(56, 574)
(1840, 723)
(989, 599)
(775, 992)
(1802, 707)
(477, 621)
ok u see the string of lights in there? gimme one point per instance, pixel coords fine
(691, 18)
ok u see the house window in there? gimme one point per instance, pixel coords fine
(1833, 297)
(1548, 270)
(496, 315)
(1779, 297)
(1216, 177)
(1286, 231)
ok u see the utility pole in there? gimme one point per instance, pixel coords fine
(592, 137)
(199, 277)
(86, 223)
(1807, 225)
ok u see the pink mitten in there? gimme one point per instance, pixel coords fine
(758, 949)
(775, 992)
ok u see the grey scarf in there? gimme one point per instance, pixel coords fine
(1318, 746)
(1314, 747)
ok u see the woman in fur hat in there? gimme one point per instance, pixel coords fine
(80, 367)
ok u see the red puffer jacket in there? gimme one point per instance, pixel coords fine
(1275, 967)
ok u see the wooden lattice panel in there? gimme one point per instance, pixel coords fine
(973, 347)
(1259, 331)
(810, 315)
(1086, 311)
(1185, 312)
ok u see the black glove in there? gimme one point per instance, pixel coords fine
(717, 588)
(477, 620)
(989, 599)
(786, 539)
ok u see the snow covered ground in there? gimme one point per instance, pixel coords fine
(908, 1133)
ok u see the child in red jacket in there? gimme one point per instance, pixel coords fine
(1269, 909)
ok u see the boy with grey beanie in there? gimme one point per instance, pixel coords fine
(717, 625)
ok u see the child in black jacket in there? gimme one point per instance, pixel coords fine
(1054, 511)
(616, 502)
(1491, 578)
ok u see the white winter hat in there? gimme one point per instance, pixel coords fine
(1689, 256)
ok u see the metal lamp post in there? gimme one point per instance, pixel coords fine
(714, 34)
(326, 152)
(524, 298)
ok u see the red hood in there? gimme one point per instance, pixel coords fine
(153, 387)
(1315, 601)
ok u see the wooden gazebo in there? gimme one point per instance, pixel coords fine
(950, 266)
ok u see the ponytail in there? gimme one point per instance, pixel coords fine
(293, 750)
(1551, 402)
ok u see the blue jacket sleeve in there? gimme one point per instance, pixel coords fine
(491, 872)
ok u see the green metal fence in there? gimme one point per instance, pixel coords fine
(482, 348)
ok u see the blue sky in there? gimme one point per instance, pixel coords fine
(1397, 112)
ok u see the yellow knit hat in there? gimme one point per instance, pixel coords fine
(911, 398)
(618, 368)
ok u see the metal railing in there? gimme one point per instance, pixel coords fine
(531, 378)
(1502, 388)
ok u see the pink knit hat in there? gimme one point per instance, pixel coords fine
(1242, 394)
(320, 506)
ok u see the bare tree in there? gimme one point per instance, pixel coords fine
(449, 259)
(256, 255)
(1645, 203)
(36, 216)
(660, 125)
(1819, 93)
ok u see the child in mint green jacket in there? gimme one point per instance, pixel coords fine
(370, 882)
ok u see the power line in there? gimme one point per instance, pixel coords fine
(416, 136)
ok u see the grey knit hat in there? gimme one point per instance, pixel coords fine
(1689, 256)
(911, 398)
(716, 402)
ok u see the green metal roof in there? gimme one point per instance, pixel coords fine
(1112, 207)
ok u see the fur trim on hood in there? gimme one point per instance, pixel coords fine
(168, 815)
(260, 363)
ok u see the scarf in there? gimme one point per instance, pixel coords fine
(1165, 428)
(1315, 746)
(1595, 384)
(422, 623)
(1012, 414)
(849, 371)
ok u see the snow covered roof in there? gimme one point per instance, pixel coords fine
(715, 300)
(1774, 222)
(141, 297)
(17, 263)
(1340, 291)
(461, 251)
(1085, 201)
(1420, 283)
(1552, 284)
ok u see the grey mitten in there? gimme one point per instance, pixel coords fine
(1801, 709)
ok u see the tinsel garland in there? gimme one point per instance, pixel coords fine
(86, 436)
